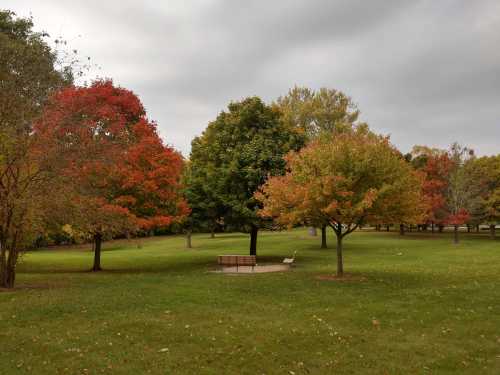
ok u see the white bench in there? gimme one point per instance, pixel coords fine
(291, 260)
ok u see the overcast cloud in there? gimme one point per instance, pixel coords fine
(425, 72)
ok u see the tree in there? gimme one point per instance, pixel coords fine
(316, 113)
(236, 154)
(347, 180)
(436, 165)
(486, 171)
(27, 77)
(206, 210)
(462, 190)
(123, 177)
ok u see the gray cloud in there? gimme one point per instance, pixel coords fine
(425, 72)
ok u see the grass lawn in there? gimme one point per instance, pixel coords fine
(424, 306)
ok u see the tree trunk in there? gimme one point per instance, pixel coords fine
(7, 276)
(188, 239)
(3, 264)
(212, 232)
(97, 252)
(492, 231)
(253, 239)
(8, 261)
(377, 227)
(402, 229)
(340, 261)
(323, 237)
(432, 227)
(441, 228)
(455, 234)
(468, 228)
(10, 276)
(7, 273)
(312, 231)
(477, 228)
(11, 267)
(387, 228)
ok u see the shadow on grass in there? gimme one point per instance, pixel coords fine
(176, 265)
(171, 266)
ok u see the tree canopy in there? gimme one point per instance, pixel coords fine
(316, 113)
(123, 177)
(486, 173)
(236, 154)
(27, 77)
(350, 179)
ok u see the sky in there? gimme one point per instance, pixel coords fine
(423, 72)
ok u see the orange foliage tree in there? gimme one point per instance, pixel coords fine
(346, 180)
(122, 177)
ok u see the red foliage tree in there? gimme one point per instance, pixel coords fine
(436, 169)
(123, 177)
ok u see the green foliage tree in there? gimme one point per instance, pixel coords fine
(206, 210)
(486, 170)
(235, 155)
(27, 77)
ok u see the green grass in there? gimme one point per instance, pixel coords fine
(438, 306)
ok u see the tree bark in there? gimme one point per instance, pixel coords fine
(8, 261)
(477, 228)
(492, 231)
(97, 252)
(9, 254)
(455, 234)
(432, 227)
(188, 239)
(377, 227)
(212, 232)
(3, 265)
(402, 229)
(468, 228)
(7, 276)
(340, 261)
(323, 237)
(253, 239)
(387, 228)
(440, 228)
(10, 276)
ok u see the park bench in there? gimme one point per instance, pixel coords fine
(291, 260)
(237, 261)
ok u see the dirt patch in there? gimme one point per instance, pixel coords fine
(347, 277)
(257, 269)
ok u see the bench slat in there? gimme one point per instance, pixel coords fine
(237, 260)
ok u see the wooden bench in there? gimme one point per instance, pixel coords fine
(237, 260)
